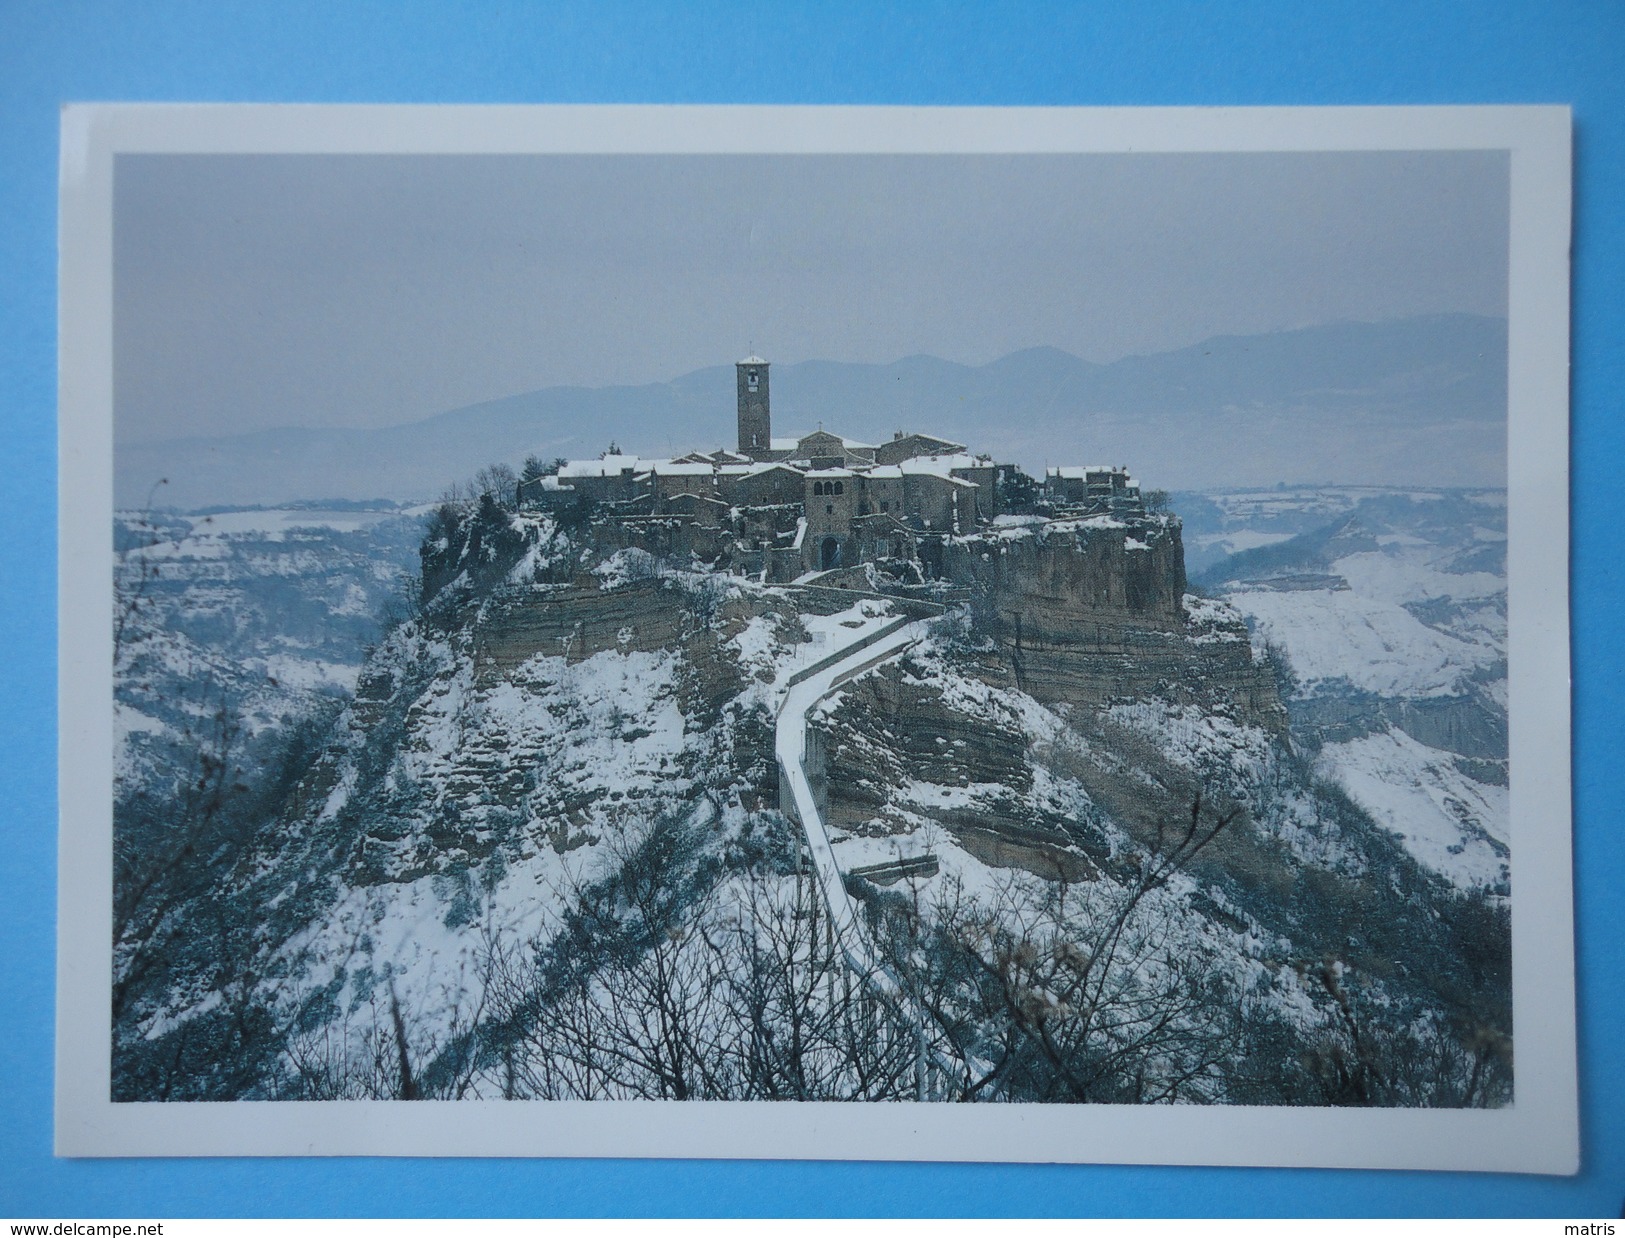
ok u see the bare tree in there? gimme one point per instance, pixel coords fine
(734, 991)
(1087, 993)
(1359, 1059)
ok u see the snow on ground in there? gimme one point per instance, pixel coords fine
(757, 646)
(625, 566)
(309, 674)
(1408, 574)
(610, 722)
(128, 722)
(830, 633)
(957, 870)
(1406, 626)
(1236, 542)
(1215, 746)
(623, 724)
(266, 613)
(413, 939)
(273, 524)
(933, 666)
(545, 547)
(1338, 635)
(1455, 825)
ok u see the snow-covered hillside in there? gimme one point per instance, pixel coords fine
(1389, 606)
(541, 854)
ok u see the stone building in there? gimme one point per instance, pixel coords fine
(907, 446)
(613, 478)
(1095, 487)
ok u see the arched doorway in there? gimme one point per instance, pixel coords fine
(829, 554)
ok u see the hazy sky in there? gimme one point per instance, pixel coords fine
(260, 291)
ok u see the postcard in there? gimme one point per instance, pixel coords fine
(846, 633)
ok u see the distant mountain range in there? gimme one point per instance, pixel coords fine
(1416, 401)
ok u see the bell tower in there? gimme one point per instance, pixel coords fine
(755, 417)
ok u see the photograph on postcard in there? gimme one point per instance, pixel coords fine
(891, 749)
(1012, 628)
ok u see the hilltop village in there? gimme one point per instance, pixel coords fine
(780, 508)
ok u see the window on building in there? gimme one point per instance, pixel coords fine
(829, 509)
(752, 380)
(885, 506)
(840, 487)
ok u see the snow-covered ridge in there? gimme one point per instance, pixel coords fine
(1389, 608)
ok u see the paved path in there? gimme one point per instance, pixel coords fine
(866, 651)
(791, 749)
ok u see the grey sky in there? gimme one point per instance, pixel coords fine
(260, 291)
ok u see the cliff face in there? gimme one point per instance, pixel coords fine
(1093, 612)
(1099, 570)
(1210, 664)
(1084, 616)
(540, 716)
(908, 746)
(533, 717)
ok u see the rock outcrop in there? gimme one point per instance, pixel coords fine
(1081, 614)
(1094, 612)
(1054, 576)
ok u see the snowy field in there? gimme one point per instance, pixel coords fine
(1381, 601)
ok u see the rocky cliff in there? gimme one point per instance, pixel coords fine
(1090, 612)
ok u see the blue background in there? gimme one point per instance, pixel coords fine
(1150, 52)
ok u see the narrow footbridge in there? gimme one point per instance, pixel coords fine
(864, 651)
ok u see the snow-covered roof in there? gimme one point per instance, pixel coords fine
(941, 475)
(751, 470)
(609, 466)
(671, 468)
(830, 473)
(785, 444)
(857, 446)
(942, 465)
(721, 454)
(753, 359)
(885, 472)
